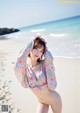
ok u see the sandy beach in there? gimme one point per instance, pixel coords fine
(21, 100)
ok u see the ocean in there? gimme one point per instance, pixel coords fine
(62, 36)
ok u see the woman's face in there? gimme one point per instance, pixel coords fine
(36, 53)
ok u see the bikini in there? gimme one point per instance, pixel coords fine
(27, 75)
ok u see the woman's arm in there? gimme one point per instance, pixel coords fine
(49, 70)
(20, 65)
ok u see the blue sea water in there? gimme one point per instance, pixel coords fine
(68, 25)
(62, 36)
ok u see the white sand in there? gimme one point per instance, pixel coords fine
(67, 73)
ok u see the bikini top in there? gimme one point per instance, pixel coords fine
(38, 76)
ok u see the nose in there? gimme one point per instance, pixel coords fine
(37, 52)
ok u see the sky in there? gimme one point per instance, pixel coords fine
(19, 13)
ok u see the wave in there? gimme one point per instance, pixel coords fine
(38, 30)
(77, 45)
(57, 35)
(67, 57)
(19, 35)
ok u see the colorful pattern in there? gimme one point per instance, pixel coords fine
(26, 74)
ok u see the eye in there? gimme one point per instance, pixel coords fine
(41, 51)
(35, 48)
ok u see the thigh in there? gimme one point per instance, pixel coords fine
(42, 108)
(56, 103)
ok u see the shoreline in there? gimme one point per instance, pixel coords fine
(5, 38)
(66, 57)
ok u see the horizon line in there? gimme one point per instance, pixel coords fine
(48, 22)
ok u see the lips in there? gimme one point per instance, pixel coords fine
(36, 56)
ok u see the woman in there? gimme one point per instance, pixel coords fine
(35, 70)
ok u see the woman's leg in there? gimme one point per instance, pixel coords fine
(56, 103)
(42, 108)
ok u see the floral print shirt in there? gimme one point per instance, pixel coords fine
(32, 77)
